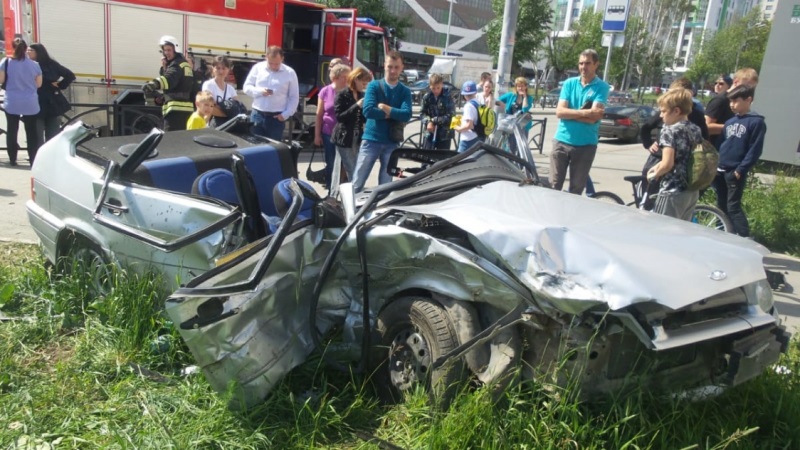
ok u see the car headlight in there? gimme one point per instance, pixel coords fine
(760, 293)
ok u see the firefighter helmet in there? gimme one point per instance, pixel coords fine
(168, 40)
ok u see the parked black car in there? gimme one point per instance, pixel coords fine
(624, 121)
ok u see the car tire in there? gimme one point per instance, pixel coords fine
(410, 334)
(80, 256)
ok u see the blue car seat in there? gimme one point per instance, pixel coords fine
(282, 198)
(217, 183)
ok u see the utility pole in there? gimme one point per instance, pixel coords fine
(449, 18)
(507, 39)
(608, 57)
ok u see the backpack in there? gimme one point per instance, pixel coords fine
(702, 166)
(487, 120)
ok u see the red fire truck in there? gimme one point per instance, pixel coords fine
(112, 45)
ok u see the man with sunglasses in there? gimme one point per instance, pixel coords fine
(718, 110)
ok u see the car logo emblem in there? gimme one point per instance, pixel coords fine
(718, 275)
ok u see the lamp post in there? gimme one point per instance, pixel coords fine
(449, 17)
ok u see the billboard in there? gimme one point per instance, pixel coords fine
(777, 95)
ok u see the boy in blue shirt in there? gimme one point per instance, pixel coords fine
(743, 142)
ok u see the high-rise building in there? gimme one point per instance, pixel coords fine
(708, 16)
(565, 12)
(768, 8)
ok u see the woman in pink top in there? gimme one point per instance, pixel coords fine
(327, 116)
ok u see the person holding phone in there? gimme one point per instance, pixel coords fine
(580, 107)
(276, 94)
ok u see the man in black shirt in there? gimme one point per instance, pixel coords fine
(718, 110)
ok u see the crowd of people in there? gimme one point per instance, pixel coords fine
(360, 121)
(33, 83)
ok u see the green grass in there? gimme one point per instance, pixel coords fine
(773, 211)
(84, 373)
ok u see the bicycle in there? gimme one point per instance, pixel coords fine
(417, 140)
(705, 215)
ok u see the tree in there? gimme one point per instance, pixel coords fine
(563, 52)
(741, 43)
(375, 9)
(533, 22)
(651, 38)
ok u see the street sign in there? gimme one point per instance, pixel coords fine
(619, 41)
(616, 15)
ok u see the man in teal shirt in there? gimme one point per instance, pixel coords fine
(580, 108)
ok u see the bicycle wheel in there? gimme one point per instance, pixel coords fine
(608, 197)
(712, 217)
(415, 140)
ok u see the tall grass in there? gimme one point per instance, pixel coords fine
(78, 372)
(774, 212)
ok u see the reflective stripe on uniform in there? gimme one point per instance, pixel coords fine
(177, 106)
(164, 82)
(187, 69)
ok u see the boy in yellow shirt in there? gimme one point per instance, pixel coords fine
(205, 106)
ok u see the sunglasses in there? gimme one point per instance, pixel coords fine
(719, 83)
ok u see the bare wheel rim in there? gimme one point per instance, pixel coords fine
(409, 359)
(92, 263)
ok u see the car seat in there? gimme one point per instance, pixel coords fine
(217, 183)
(282, 199)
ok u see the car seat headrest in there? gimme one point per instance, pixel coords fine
(282, 197)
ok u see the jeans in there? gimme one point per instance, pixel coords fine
(32, 132)
(578, 159)
(729, 200)
(370, 152)
(465, 145)
(589, 187)
(330, 155)
(51, 125)
(265, 124)
(348, 155)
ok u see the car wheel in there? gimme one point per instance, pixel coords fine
(82, 257)
(412, 333)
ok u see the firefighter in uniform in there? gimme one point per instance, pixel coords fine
(176, 80)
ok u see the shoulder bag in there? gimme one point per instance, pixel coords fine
(397, 129)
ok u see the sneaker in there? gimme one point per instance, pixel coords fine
(13, 163)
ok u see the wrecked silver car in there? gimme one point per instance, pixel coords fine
(470, 269)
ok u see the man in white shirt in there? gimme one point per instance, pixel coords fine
(273, 86)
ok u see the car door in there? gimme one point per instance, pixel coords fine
(146, 227)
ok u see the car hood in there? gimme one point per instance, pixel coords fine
(577, 252)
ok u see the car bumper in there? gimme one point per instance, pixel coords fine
(625, 133)
(46, 226)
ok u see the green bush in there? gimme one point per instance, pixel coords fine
(774, 213)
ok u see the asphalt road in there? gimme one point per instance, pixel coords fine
(614, 160)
